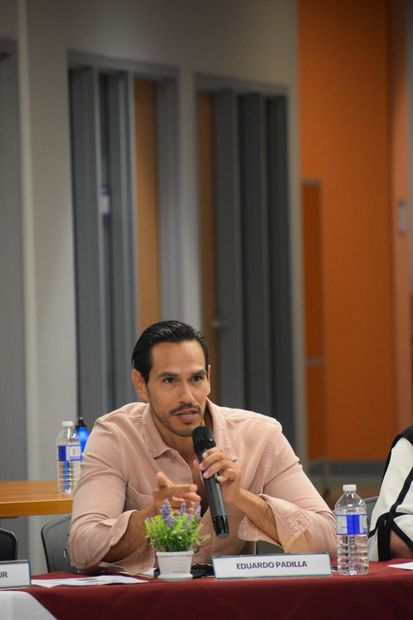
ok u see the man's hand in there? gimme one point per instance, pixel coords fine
(228, 473)
(135, 534)
(229, 476)
(174, 493)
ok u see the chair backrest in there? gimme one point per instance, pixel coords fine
(8, 546)
(264, 548)
(54, 538)
(370, 503)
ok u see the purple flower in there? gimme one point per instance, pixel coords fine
(166, 511)
(182, 509)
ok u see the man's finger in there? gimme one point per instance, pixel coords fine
(163, 481)
(186, 497)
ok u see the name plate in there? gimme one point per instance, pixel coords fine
(273, 565)
(15, 574)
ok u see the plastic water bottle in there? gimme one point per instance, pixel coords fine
(83, 432)
(68, 458)
(352, 535)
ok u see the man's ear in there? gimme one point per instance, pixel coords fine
(139, 385)
(209, 377)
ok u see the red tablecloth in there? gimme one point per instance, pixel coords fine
(384, 592)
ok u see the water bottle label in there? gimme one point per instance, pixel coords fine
(69, 453)
(351, 524)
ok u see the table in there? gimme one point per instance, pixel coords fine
(25, 498)
(15, 605)
(383, 593)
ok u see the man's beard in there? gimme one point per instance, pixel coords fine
(166, 419)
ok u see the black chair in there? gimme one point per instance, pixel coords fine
(265, 548)
(54, 538)
(8, 546)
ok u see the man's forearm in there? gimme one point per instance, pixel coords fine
(317, 536)
(133, 537)
(258, 512)
(135, 534)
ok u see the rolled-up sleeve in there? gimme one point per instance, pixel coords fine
(304, 521)
(99, 518)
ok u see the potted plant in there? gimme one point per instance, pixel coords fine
(173, 535)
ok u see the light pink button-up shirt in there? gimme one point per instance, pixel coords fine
(124, 453)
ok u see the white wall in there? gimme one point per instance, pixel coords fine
(250, 40)
(47, 237)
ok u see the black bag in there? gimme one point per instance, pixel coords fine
(385, 523)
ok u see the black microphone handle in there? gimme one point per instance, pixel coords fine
(216, 506)
(203, 439)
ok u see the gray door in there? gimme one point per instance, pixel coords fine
(253, 254)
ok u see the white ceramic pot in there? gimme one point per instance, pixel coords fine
(174, 565)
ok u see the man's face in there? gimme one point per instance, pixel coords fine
(177, 388)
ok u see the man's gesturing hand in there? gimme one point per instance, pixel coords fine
(174, 493)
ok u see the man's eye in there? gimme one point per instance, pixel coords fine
(197, 378)
(168, 380)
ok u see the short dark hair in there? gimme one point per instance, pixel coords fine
(164, 331)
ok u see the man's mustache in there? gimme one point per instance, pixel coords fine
(184, 407)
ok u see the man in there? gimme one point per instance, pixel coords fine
(142, 454)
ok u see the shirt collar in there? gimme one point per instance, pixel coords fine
(220, 429)
(151, 435)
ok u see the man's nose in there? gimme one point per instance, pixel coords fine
(186, 393)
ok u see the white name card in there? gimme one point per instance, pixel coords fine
(15, 574)
(273, 565)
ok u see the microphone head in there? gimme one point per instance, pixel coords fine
(203, 439)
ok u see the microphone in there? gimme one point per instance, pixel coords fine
(203, 440)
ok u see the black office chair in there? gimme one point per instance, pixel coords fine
(264, 548)
(8, 546)
(54, 538)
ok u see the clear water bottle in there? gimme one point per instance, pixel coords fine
(68, 458)
(352, 535)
